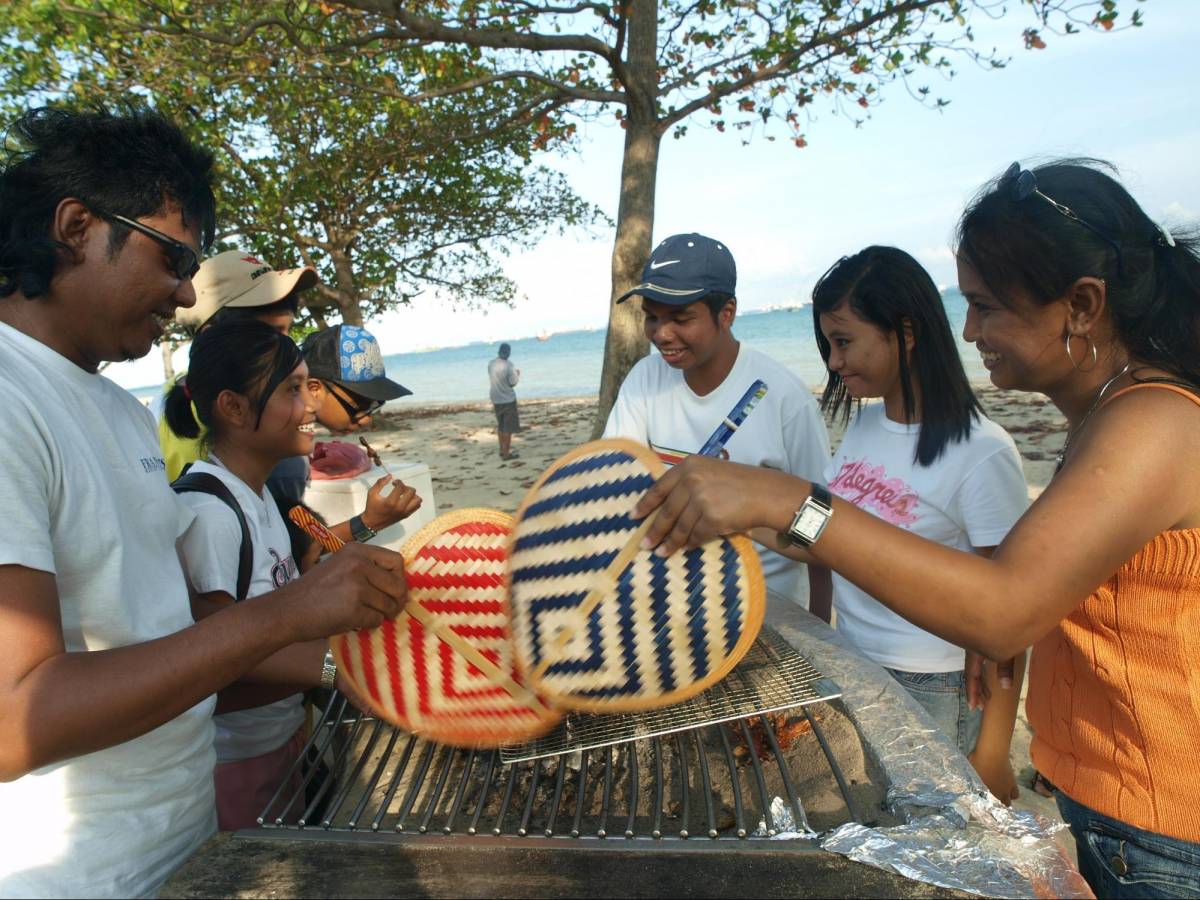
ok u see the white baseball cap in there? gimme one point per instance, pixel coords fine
(240, 279)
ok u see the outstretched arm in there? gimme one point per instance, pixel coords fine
(1118, 491)
(57, 704)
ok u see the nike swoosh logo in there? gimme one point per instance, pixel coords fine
(669, 262)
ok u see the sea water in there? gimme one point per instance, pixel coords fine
(567, 364)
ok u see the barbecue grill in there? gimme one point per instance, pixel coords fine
(712, 767)
(629, 808)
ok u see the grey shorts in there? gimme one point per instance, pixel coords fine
(507, 419)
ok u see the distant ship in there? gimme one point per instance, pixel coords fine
(543, 335)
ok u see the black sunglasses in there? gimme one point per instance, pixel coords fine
(356, 413)
(1023, 185)
(184, 261)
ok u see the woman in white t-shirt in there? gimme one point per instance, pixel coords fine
(925, 459)
(248, 385)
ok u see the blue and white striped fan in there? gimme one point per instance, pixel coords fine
(602, 625)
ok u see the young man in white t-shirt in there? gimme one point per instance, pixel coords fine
(106, 683)
(702, 376)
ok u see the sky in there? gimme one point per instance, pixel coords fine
(902, 178)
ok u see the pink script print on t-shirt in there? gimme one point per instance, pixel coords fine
(868, 486)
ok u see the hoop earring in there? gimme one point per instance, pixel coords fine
(1091, 345)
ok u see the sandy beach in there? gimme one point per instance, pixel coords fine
(458, 443)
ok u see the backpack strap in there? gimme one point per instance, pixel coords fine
(204, 483)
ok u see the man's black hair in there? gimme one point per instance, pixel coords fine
(716, 302)
(133, 163)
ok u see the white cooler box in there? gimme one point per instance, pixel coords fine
(341, 498)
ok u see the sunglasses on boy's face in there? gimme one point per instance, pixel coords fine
(184, 261)
(358, 408)
(1022, 184)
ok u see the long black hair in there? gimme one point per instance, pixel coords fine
(248, 358)
(1020, 243)
(888, 288)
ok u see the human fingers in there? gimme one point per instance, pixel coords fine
(664, 514)
(401, 498)
(412, 503)
(976, 685)
(385, 590)
(683, 532)
(659, 491)
(1004, 673)
(377, 488)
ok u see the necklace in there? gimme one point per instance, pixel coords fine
(1062, 455)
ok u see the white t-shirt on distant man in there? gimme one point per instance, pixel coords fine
(784, 431)
(971, 496)
(84, 497)
(210, 551)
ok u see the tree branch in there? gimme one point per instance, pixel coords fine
(789, 62)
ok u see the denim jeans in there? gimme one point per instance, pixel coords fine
(944, 696)
(1121, 861)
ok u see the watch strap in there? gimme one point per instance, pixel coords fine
(360, 530)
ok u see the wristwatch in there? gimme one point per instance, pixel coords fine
(360, 530)
(812, 517)
(328, 671)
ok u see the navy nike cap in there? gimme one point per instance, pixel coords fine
(685, 268)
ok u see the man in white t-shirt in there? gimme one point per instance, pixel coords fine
(502, 378)
(700, 389)
(106, 683)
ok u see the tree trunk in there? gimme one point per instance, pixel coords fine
(347, 289)
(625, 342)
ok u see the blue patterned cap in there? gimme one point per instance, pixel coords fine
(350, 356)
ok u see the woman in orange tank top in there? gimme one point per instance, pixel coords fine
(1073, 292)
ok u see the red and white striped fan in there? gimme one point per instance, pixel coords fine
(445, 668)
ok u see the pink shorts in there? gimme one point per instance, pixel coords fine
(246, 786)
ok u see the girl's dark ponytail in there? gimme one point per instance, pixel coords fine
(178, 411)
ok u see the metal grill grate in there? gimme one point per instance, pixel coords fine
(773, 676)
(723, 781)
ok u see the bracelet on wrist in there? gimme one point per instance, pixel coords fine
(328, 671)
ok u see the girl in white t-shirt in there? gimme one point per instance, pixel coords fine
(925, 459)
(248, 385)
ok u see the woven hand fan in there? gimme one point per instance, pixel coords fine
(602, 625)
(444, 668)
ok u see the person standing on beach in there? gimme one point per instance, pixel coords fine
(106, 682)
(504, 376)
(674, 400)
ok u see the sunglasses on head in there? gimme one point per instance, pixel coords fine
(356, 412)
(184, 261)
(1022, 184)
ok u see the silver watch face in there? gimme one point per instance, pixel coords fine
(809, 522)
